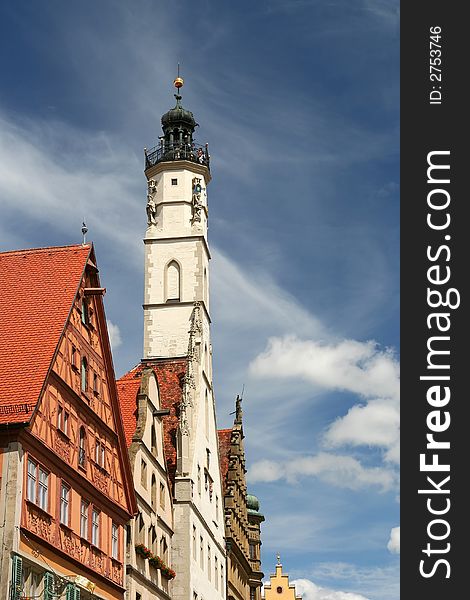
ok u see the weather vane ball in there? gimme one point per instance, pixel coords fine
(178, 82)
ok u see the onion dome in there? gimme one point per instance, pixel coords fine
(178, 116)
(252, 504)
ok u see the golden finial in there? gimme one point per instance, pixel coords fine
(179, 81)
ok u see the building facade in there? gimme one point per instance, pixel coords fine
(279, 587)
(66, 491)
(149, 535)
(242, 516)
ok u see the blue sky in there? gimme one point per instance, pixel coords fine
(299, 103)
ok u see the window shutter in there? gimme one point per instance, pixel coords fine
(16, 578)
(72, 592)
(49, 586)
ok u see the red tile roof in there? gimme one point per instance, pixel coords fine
(128, 387)
(169, 373)
(38, 287)
(224, 454)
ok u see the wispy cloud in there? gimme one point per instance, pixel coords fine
(339, 470)
(311, 591)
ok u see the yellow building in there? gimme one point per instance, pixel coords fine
(279, 587)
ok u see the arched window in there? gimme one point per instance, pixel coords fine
(84, 373)
(173, 282)
(81, 447)
(154, 492)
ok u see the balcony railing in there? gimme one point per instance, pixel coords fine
(176, 151)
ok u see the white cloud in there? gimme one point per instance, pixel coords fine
(341, 471)
(114, 335)
(311, 591)
(347, 365)
(394, 542)
(350, 365)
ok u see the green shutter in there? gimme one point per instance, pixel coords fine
(49, 586)
(70, 592)
(77, 594)
(16, 587)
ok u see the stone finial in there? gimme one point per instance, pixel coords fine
(238, 410)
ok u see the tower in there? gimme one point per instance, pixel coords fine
(177, 345)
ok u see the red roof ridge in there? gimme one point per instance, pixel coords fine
(46, 249)
(224, 430)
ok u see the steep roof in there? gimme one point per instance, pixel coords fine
(224, 436)
(169, 373)
(128, 388)
(38, 287)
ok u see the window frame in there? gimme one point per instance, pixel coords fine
(85, 519)
(41, 484)
(95, 527)
(65, 503)
(114, 541)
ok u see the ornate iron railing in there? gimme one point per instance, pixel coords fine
(176, 151)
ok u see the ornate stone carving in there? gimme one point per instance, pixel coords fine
(40, 524)
(62, 447)
(151, 206)
(196, 203)
(100, 479)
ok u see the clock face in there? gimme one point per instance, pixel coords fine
(279, 589)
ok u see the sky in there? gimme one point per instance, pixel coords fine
(299, 102)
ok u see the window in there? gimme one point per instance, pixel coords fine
(31, 487)
(252, 593)
(163, 549)
(206, 414)
(37, 487)
(81, 447)
(115, 541)
(199, 480)
(84, 374)
(64, 504)
(100, 453)
(201, 552)
(84, 507)
(63, 420)
(252, 551)
(85, 312)
(216, 508)
(216, 573)
(173, 282)
(174, 182)
(221, 577)
(153, 540)
(74, 358)
(32, 581)
(162, 495)
(194, 542)
(95, 527)
(143, 473)
(209, 564)
(96, 384)
(153, 497)
(154, 440)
